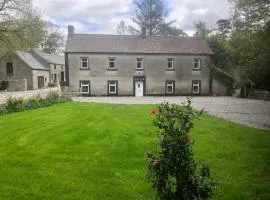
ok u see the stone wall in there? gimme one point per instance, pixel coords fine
(17, 85)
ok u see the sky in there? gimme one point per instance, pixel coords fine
(102, 16)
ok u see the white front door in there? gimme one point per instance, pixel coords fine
(139, 88)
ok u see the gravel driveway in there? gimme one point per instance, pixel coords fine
(253, 113)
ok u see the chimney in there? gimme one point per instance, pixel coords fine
(70, 31)
(143, 33)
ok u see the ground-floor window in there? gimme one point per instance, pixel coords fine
(170, 87)
(85, 87)
(196, 87)
(112, 87)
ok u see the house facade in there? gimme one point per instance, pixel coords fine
(28, 70)
(110, 65)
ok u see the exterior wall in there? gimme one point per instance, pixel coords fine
(20, 70)
(56, 69)
(37, 73)
(17, 85)
(155, 72)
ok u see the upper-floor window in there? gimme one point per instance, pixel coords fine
(170, 87)
(170, 63)
(84, 63)
(54, 66)
(112, 87)
(196, 87)
(139, 63)
(197, 64)
(112, 63)
(10, 68)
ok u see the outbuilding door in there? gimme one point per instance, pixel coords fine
(40, 82)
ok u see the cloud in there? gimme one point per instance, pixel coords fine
(103, 16)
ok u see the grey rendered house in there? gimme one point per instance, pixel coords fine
(104, 65)
(28, 70)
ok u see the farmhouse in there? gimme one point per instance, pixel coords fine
(139, 65)
(27, 70)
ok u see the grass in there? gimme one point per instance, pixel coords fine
(96, 151)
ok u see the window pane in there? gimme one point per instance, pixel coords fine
(111, 64)
(9, 68)
(170, 89)
(112, 89)
(85, 89)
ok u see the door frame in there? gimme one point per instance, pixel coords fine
(139, 78)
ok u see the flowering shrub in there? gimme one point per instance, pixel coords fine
(172, 169)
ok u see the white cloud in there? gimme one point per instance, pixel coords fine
(93, 16)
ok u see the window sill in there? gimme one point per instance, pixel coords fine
(199, 69)
(10, 74)
(170, 69)
(139, 69)
(84, 68)
(110, 69)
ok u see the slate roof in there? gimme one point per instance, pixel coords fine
(97, 43)
(52, 59)
(32, 61)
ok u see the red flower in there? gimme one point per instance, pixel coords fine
(153, 111)
(187, 138)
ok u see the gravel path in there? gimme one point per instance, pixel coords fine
(253, 113)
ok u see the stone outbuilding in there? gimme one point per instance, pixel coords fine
(28, 70)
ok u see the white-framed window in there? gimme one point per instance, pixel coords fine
(85, 87)
(112, 87)
(170, 63)
(197, 64)
(196, 87)
(112, 63)
(84, 63)
(139, 63)
(170, 87)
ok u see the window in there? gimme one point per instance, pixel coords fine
(85, 87)
(54, 66)
(62, 67)
(112, 63)
(170, 63)
(55, 77)
(197, 64)
(170, 87)
(112, 87)
(10, 68)
(139, 64)
(84, 63)
(196, 87)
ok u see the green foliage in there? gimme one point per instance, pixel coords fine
(94, 151)
(4, 85)
(17, 104)
(172, 168)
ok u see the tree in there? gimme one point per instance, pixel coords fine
(171, 30)
(122, 28)
(150, 17)
(224, 26)
(20, 25)
(201, 30)
(53, 40)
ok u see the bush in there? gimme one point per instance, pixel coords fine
(4, 85)
(14, 104)
(172, 168)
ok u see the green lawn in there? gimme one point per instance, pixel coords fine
(96, 151)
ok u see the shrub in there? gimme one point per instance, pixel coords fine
(33, 102)
(14, 104)
(52, 97)
(4, 85)
(172, 169)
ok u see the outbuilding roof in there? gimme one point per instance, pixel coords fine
(98, 43)
(32, 61)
